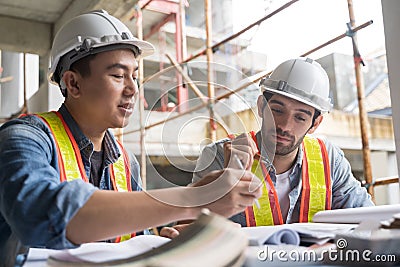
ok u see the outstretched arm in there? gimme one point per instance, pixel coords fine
(108, 214)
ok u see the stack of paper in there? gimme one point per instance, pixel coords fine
(210, 241)
(357, 215)
(295, 234)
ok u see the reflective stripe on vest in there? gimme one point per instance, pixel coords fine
(120, 170)
(70, 163)
(269, 212)
(316, 186)
(69, 157)
(316, 182)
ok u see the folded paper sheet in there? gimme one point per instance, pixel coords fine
(357, 215)
(274, 235)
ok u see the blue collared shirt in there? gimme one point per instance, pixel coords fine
(347, 191)
(35, 207)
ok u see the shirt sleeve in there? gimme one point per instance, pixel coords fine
(347, 191)
(210, 159)
(34, 204)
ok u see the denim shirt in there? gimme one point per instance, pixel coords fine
(347, 191)
(35, 207)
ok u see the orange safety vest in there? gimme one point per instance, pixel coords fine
(70, 162)
(316, 186)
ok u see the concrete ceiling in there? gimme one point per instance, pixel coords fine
(29, 26)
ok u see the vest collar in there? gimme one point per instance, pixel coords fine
(111, 150)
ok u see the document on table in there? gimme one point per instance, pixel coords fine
(211, 240)
(293, 234)
(357, 215)
(99, 251)
(271, 235)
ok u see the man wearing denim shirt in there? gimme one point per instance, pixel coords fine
(297, 94)
(48, 200)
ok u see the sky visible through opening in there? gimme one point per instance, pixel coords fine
(307, 24)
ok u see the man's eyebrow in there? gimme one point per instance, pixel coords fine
(273, 101)
(117, 66)
(305, 111)
(120, 66)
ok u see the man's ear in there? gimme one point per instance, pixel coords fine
(70, 79)
(261, 102)
(317, 122)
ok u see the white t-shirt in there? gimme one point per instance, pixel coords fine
(282, 188)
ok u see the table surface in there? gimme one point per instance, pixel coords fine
(38, 258)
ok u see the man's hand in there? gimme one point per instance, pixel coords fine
(244, 148)
(174, 231)
(228, 191)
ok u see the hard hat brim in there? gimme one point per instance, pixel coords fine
(145, 49)
(323, 109)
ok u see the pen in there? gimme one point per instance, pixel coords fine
(264, 160)
(239, 163)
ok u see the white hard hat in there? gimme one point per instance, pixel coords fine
(87, 34)
(302, 79)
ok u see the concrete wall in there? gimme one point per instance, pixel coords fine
(391, 20)
(11, 92)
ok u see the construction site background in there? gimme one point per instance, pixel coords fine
(171, 147)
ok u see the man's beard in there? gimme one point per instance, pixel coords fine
(282, 150)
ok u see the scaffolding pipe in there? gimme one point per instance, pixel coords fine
(250, 82)
(210, 70)
(258, 22)
(186, 77)
(180, 44)
(337, 38)
(385, 181)
(145, 5)
(6, 79)
(143, 170)
(25, 105)
(364, 124)
(182, 15)
(260, 75)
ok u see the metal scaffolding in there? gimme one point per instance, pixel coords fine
(175, 11)
(210, 48)
(364, 125)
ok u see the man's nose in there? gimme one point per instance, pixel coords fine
(131, 86)
(285, 123)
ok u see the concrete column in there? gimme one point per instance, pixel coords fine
(391, 21)
(393, 189)
(11, 94)
(48, 97)
(39, 102)
(385, 194)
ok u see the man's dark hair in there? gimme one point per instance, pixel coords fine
(82, 64)
(317, 113)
